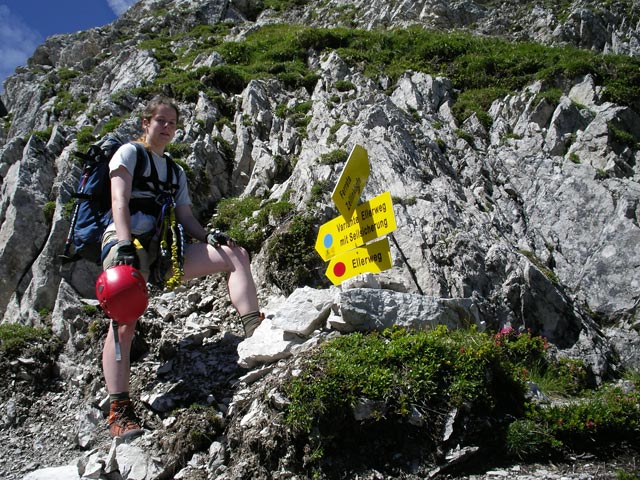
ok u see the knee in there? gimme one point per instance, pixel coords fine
(125, 332)
(242, 253)
(239, 256)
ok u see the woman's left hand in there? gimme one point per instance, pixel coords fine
(216, 238)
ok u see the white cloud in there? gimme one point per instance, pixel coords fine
(17, 42)
(120, 6)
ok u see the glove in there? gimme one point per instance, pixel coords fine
(215, 238)
(126, 254)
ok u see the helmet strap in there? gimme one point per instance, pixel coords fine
(116, 340)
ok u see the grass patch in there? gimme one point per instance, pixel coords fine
(475, 65)
(604, 417)
(43, 135)
(550, 274)
(399, 372)
(84, 139)
(48, 210)
(15, 338)
(235, 217)
(335, 156)
(622, 137)
(292, 257)
(575, 158)
(248, 219)
(438, 368)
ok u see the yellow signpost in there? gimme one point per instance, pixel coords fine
(369, 221)
(352, 180)
(372, 258)
(343, 240)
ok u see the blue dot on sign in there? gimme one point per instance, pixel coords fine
(328, 240)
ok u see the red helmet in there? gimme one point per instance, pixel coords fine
(122, 293)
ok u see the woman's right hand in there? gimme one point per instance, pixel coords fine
(126, 254)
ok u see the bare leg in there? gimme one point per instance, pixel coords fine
(202, 259)
(116, 373)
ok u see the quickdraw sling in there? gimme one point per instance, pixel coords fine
(171, 251)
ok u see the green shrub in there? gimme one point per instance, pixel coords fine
(552, 95)
(68, 105)
(97, 329)
(605, 417)
(475, 65)
(67, 209)
(529, 439)
(84, 138)
(236, 217)
(622, 137)
(160, 49)
(477, 101)
(514, 136)
(464, 135)
(246, 220)
(303, 108)
(43, 135)
(622, 475)
(435, 370)
(335, 127)
(277, 210)
(280, 5)
(178, 83)
(319, 190)
(6, 121)
(333, 157)
(571, 376)
(407, 202)
(225, 78)
(178, 151)
(89, 310)
(344, 85)
(110, 125)
(66, 74)
(298, 113)
(48, 210)
(550, 274)
(16, 338)
(292, 257)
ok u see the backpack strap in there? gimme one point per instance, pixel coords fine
(142, 159)
(139, 181)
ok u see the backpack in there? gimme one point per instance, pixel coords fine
(92, 208)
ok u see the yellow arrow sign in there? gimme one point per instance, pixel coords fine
(370, 220)
(352, 181)
(373, 258)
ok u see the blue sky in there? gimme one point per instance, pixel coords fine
(25, 24)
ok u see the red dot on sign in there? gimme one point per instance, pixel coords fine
(339, 269)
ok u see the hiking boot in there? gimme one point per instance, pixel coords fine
(250, 322)
(122, 420)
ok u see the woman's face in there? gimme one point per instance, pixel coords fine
(161, 127)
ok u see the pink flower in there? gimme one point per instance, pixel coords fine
(505, 331)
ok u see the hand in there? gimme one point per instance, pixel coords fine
(126, 254)
(215, 238)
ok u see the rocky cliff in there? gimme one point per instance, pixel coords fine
(524, 214)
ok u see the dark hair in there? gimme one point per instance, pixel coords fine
(150, 110)
(155, 102)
